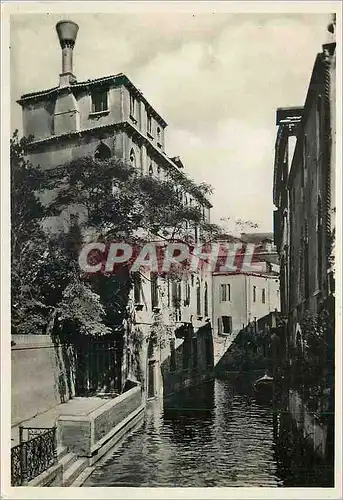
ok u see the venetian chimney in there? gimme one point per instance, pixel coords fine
(67, 32)
(66, 114)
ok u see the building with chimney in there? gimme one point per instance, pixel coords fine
(110, 117)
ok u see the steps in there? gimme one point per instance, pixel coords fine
(74, 470)
(72, 466)
(79, 481)
(61, 452)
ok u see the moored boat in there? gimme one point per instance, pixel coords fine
(264, 385)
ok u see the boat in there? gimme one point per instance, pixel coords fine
(264, 385)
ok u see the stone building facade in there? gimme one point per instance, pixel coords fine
(108, 117)
(304, 196)
(243, 298)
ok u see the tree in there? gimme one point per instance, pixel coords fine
(46, 286)
(28, 242)
(112, 201)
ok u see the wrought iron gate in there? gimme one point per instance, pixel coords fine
(98, 366)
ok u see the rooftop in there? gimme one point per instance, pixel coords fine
(119, 79)
(257, 237)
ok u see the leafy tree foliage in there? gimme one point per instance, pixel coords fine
(111, 201)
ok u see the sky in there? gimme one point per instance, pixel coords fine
(216, 79)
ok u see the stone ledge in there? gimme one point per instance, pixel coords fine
(85, 433)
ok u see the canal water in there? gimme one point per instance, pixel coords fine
(215, 435)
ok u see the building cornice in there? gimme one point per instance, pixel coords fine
(119, 79)
(134, 132)
(247, 273)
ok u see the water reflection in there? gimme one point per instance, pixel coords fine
(213, 435)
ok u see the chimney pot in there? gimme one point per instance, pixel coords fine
(67, 32)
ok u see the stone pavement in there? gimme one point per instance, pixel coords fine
(76, 406)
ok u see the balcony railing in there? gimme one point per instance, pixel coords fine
(35, 453)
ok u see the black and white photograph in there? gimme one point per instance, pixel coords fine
(171, 249)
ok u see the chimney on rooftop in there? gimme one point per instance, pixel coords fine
(67, 32)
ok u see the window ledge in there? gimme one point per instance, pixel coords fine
(132, 118)
(150, 136)
(98, 114)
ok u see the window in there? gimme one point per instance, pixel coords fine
(99, 101)
(187, 294)
(225, 324)
(151, 170)
(137, 287)
(206, 301)
(154, 290)
(225, 292)
(158, 170)
(102, 152)
(158, 130)
(254, 293)
(132, 106)
(149, 125)
(198, 298)
(132, 157)
(263, 295)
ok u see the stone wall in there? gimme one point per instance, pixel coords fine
(87, 433)
(41, 376)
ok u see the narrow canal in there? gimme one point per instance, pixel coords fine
(216, 435)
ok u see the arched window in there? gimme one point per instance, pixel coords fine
(151, 170)
(198, 298)
(132, 157)
(102, 152)
(158, 130)
(206, 300)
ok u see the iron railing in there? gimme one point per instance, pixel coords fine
(16, 466)
(32, 455)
